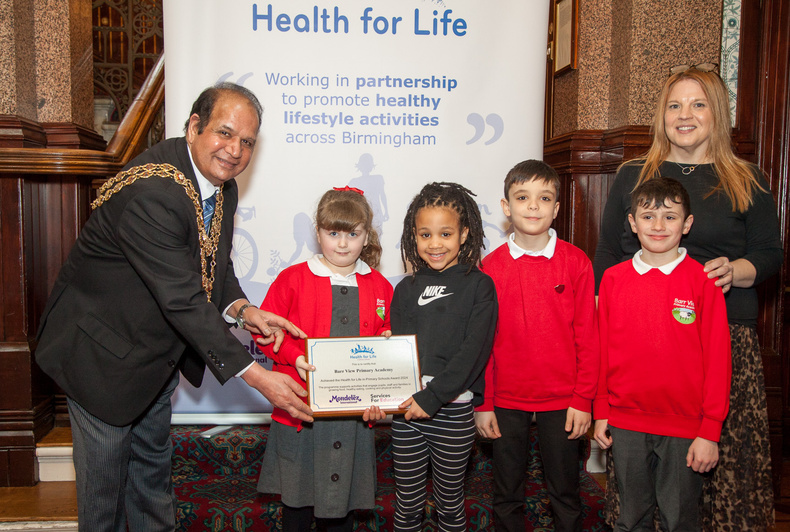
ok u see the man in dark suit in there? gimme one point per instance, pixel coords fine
(148, 290)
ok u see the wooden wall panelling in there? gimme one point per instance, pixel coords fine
(589, 192)
(20, 411)
(41, 220)
(587, 162)
(762, 135)
(46, 177)
(773, 136)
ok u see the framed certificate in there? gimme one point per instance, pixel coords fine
(566, 34)
(354, 373)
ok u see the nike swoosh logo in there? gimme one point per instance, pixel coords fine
(425, 300)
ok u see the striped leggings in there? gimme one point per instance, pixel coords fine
(446, 441)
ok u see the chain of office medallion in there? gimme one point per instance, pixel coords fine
(208, 241)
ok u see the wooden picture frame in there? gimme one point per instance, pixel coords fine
(565, 30)
(354, 373)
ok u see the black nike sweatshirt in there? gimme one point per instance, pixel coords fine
(454, 316)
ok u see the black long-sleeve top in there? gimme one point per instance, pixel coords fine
(454, 317)
(717, 231)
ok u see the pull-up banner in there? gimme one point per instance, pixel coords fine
(382, 95)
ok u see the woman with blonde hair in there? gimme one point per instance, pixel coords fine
(736, 237)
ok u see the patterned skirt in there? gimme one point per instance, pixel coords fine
(738, 494)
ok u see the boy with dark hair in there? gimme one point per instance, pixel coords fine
(545, 357)
(664, 384)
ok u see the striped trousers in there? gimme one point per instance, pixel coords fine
(123, 473)
(445, 442)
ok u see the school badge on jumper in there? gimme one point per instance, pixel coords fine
(683, 311)
(380, 308)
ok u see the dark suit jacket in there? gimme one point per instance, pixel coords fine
(128, 306)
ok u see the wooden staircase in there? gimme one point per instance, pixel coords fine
(50, 505)
(54, 456)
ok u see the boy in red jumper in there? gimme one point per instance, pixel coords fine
(545, 357)
(664, 385)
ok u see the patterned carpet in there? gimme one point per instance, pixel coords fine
(215, 480)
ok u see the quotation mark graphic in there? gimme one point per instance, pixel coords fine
(493, 120)
(225, 77)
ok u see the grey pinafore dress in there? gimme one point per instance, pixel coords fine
(331, 463)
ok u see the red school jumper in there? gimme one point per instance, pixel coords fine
(545, 355)
(305, 299)
(665, 351)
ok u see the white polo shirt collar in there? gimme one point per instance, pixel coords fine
(642, 268)
(516, 251)
(320, 269)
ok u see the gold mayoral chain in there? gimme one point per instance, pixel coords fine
(208, 242)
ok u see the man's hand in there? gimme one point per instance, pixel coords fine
(577, 423)
(270, 326)
(703, 455)
(280, 389)
(486, 425)
(601, 433)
